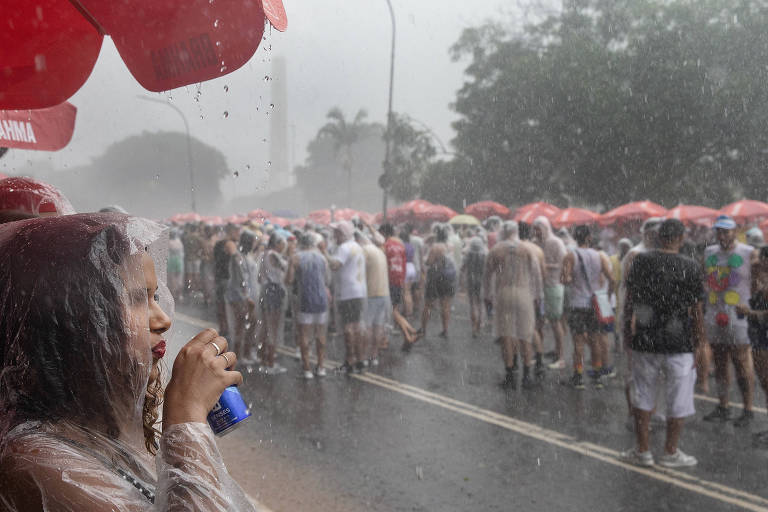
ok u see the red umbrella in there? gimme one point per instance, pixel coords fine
(485, 209)
(320, 216)
(689, 214)
(236, 219)
(32, 197)
(259, 215)
(529, 212)
(410, 210)
(51, 46)
(344, 214)
(639, 210)
(746, 210)
(434, 213)
(280, 221)
(182, 218)
(573, 217)
(349, 214)
(213, 220)
(48, 129)
(299, 223)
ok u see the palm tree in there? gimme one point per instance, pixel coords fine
(344, 136)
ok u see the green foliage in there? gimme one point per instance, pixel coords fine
(345, 160)
(616, 100)
(147, 174)
(410, 153)
(343, 163)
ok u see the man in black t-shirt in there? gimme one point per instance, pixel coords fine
(664, 302)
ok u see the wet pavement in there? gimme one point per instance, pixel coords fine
(433, 430)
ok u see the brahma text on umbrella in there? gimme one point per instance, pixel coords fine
(182, 57)
(19, 131)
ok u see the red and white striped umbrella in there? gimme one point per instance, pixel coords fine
(484, 209)
(638, 210)
(574, 217)
(746, 210)
(527, 213)
(690, 214)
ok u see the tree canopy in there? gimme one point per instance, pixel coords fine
(146, 174)
(348, 155)
(609, 101)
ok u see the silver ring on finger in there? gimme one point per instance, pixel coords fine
(218, 348)
(229, 363)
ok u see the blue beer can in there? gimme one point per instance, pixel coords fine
(228, 412)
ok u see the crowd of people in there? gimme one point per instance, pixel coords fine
(677, 302)
(81, 337)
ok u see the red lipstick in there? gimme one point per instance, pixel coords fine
(159, 350)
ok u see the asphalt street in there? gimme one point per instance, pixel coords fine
(433, 430)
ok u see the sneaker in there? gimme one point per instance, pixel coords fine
(557, 365)
(275, 370)
(308, 375)
(632, 456)
(510, 381)
(577, 381)
(677, 460)
(719, 413)
(345, 368)
(539, 371)
(528, 382)
(745, 419)
(320, 372)
(597, 381)
(609, 372)
(374, 361)
(360, 367)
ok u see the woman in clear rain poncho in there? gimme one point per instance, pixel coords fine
(80, 340)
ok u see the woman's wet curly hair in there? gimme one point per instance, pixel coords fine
(64, 337)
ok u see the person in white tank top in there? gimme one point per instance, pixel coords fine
(583, 273)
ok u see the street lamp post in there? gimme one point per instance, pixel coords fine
(189, 146)
(387, 143)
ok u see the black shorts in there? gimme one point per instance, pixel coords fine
(474, 288)
(221, 289)
(439, 286)
(757, 328)
(272, 297)
(583, 321)
(350, 311)
(396, 295)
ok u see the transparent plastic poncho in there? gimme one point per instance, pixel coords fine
(75, 361)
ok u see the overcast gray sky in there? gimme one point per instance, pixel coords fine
(337, 54)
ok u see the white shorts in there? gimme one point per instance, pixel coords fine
(728, 335)
(313, 318)
(410, 273)
(680, 376)
(377, 311)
